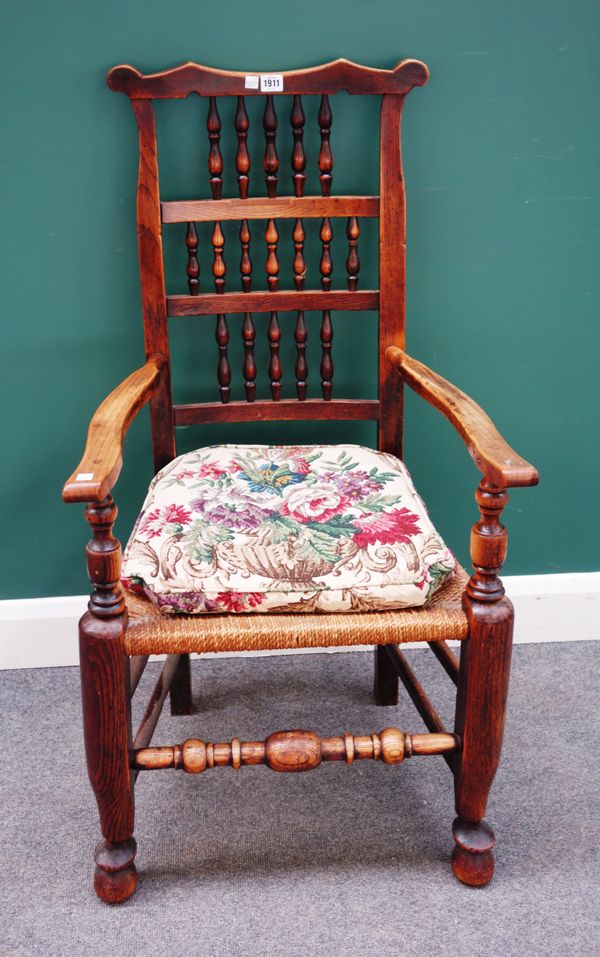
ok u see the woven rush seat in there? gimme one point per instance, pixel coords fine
(150, 632)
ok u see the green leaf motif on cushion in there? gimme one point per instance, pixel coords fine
(281, 527)
(200, 539)
(315, 545)
(377, 503)
(338, 526)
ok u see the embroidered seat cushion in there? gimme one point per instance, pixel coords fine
(255, 528)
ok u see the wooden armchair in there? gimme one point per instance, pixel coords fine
(122, 628)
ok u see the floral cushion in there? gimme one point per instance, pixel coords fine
(256, 528)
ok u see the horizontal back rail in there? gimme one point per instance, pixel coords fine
(268, 410)
(210, 304)
(284, 207)
(332, 77)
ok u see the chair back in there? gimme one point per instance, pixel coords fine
(226, 302)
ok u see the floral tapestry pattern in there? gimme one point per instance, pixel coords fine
(327, 528)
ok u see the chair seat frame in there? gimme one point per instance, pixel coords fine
(110, 676)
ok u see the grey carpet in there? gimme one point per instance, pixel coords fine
(340, 861)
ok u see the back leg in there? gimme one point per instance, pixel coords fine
(181, 688)
(385, 684)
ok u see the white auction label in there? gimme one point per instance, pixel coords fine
(252, 82)
(271, 83)
(84, 476)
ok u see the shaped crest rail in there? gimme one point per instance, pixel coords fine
(332, 77)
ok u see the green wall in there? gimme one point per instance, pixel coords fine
(501, 151)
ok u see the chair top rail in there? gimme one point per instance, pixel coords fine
(180, 81)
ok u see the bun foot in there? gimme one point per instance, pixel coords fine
(115, 877)
(473, 857)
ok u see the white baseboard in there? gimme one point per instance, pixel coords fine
(42, 632)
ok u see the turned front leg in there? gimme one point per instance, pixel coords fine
(106, 711)
(482, 691)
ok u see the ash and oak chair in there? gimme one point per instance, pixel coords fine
(122, 627)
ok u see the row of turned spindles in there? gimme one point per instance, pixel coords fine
(272, 266)
(271, 168)
(249, 368)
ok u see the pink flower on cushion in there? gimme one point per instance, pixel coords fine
(155, 521)
(387, 528)
(152, 524)
(177, 514)
(301, 466)
(184, 474)
(239, 601)
(210, 470)
(313, 504)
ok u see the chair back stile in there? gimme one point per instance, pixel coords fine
(152, 213)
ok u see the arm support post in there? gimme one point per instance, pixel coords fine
(106, 715)
(482, 690)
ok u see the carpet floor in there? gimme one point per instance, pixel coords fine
(341, 861)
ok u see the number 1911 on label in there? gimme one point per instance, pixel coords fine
(271, 83)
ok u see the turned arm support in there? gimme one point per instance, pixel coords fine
(499, 464)
(102, 459)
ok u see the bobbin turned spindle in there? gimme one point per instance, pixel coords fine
(301, 368)
(193, 266)
(299, 265)
(271, 166)
(242, 164)
(325, 155)
(272, 263)
(275, 367)
(326, 234)
(297, 119)
(222, 330)
(215, 159)
(242, 156)
(245, 262)
(326, 359)
(271, 160)
(249, 366)
(353, 262)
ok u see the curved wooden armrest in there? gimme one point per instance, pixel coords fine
(102, 459)
(501, 467)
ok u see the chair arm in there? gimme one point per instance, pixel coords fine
(102, 459)
(500, 466)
